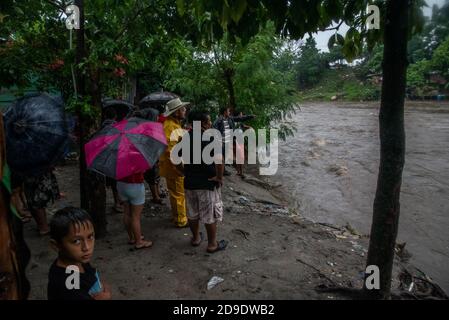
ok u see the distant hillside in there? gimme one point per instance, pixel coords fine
(343, 85)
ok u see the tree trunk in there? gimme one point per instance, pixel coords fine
(96, 184)
(97, 203)
(228, 75)
(385, 221)
(81, 88)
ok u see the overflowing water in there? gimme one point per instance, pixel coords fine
(330, 167)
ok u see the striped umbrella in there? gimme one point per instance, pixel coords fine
(124, 148)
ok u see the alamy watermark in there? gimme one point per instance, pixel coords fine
(73, 280)
(373, 19)
(220, 150)
(73, 17)
(372, 277)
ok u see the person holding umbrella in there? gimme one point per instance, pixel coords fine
(36, 138)
(124, 151)
(131, 191)
(151, 176)
(39, 192)
(176, 112)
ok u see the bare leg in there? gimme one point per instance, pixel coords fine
(117, 203)
(23, 200)
(155, 193)
(40, 215)
(157, 189)
(136, 212)
(211, 236)
(195, 228)
(20, 207)
(127, 220)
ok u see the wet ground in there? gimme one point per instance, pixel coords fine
(331, 166)
(271, 253)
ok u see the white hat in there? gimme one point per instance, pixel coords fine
(174, 105)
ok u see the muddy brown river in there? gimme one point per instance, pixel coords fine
(330, 167)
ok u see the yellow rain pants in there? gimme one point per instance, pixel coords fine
(175, 181)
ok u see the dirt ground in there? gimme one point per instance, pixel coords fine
(273, 253)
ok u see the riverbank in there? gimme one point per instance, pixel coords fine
(273, 253)
(330, 168)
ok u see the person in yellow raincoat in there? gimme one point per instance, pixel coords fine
(176, 112)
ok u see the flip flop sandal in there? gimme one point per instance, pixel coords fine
(43, 234)
(118, 209)
(26, 219)
(197, 244)
(149, 244)
(222, 244)
(134, 241)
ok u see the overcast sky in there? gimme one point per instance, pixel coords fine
(323, 37)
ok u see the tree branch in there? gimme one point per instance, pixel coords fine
(59, 6)
(128, 23)
(335, 28)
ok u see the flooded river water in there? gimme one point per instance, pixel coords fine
(330, 167)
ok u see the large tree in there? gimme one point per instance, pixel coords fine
(114, 44)
(295, 18)
(248, 77)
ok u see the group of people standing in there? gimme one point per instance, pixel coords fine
(194, 192)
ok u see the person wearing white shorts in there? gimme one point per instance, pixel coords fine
(131, 191)
(134, 193)
(202, 184)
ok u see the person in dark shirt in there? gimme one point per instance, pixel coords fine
(71, 277)
(202, 184)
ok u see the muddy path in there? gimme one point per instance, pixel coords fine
(271, 254)
(330, 168)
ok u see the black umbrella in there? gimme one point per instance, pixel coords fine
(36, 133)
(149, 114)
(122, 108)
(157, 100)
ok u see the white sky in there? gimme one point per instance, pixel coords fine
(322, 38)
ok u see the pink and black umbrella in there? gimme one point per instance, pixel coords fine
(122, 149)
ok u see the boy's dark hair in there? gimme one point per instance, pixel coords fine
(66, 217)
(223, 110)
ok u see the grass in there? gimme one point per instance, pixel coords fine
(343, 84)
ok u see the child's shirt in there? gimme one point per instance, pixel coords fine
(57, 288)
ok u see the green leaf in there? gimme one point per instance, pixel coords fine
(331, 42)
(349, 50)
(224, 19)
(335, 39)
(238, 10)
(181, 7)
(18, 10)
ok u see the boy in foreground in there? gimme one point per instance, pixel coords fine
(71, 276)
